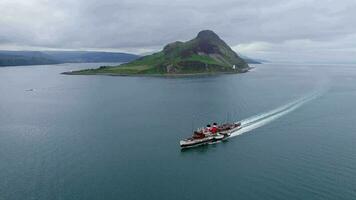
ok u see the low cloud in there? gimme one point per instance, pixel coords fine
(252, 47)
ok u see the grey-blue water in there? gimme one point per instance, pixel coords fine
(101, 137)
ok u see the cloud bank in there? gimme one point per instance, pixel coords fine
(294, 30)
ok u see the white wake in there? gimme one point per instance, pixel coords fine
(257, 121)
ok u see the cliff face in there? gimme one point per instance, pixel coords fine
(206, 52)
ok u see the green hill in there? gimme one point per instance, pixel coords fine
(206, 53)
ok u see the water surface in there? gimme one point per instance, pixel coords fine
(102, 137)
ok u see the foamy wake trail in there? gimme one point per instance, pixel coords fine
(257, 121)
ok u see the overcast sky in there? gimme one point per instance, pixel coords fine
(278, 30)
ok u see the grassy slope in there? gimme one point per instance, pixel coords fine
(140, 66)
(150, 65)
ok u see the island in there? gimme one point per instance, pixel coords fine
(205, 54)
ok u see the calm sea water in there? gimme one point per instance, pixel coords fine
(102, 137)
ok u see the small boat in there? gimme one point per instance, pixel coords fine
(210, 134)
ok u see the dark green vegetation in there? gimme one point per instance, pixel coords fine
(15, 58)
(205, 54)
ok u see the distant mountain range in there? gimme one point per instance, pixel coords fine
(16, 58)
(253, 60)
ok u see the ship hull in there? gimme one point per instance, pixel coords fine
(195, 143)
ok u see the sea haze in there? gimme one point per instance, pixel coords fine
(104, 137)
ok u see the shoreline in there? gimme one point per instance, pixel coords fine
(159, 75)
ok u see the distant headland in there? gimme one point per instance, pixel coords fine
(21, 58)
(205, 54)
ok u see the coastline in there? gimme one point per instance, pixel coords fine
(159, 75)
